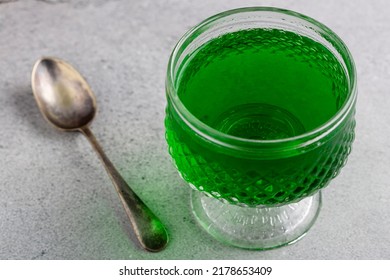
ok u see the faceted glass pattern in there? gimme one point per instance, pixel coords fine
(253, 182)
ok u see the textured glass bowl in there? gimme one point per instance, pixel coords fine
(269, 189)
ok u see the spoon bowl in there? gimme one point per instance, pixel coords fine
(63, 96)
(67, 102)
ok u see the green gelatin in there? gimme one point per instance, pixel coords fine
(259, 84)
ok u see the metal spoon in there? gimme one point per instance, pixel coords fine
(66, 101)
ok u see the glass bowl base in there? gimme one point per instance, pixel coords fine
(255, 228)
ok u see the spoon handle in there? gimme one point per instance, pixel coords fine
(148, 229)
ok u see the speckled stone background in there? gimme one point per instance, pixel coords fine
(57, 202)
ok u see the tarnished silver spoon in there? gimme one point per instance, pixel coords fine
(66, 101)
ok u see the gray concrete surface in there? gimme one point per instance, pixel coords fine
(56, 201)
